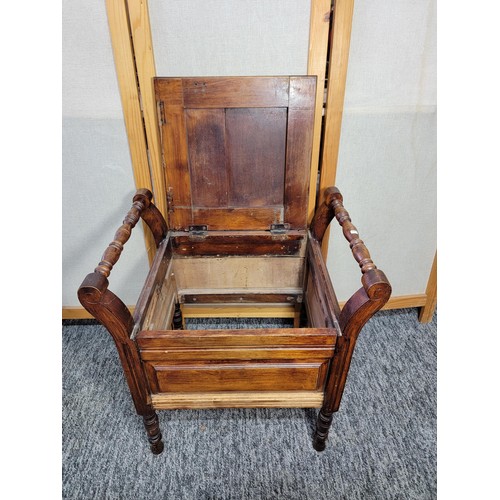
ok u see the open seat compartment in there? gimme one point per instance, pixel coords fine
(236, 243)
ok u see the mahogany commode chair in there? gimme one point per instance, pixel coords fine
(237, 159)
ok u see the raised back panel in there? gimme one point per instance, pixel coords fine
(237, 151)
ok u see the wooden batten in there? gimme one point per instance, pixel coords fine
(337, 75)
(316, 65)
(250, 399)
(146, 70)
(429, 306)
(124, 56)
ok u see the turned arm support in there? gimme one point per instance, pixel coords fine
(93, 292)
(363, 304)
(376, 287)
(141, 207)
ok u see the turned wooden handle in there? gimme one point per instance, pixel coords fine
(141, 207)
(93, 293)
(374, 281)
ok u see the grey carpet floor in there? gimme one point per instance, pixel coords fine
(382, 443)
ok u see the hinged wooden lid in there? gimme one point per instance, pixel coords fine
(237, 151)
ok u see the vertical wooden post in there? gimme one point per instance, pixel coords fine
(142, 45)
(427, 311)
(316, 65)
(127, 81)
(337, 74)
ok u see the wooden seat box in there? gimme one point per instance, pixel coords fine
(236, 243)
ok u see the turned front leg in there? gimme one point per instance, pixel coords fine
(322, 427)
(177, 320)
(153, 430)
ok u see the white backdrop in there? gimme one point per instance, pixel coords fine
(387, 160)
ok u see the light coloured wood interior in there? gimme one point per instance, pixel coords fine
(224, 274)
(250, 399)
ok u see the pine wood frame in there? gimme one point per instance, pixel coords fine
(130, 32)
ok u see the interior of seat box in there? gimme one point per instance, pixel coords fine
(237, 154)
(238, 274)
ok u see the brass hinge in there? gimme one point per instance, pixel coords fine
(280, 228)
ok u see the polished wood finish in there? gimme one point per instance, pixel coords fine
(177, 319)
(239, 150)
(371, 297)
(248, 138)
(153, 431)
(107, 308)
(236, 360)
(232, 243)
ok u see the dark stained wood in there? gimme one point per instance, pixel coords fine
(207, 157)
(302, 92)
(300, 130)
(374, 293)
(321, 301)
(111, 312)
(155, 278)
(153, 431)
(209, 376)
(256, 145)
(238, 298)
(177, 322)
(237, 353)
(323, 424)
(141, 205)
(151, 215)
(265, 144)
(237, 156)
(223, 92)
(235, 243)
(240, 92)
(107, 308)
(240, 218)
(172, 339)
(176, 161)
(169, 91)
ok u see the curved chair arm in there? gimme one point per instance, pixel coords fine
(363, 304)
(108, 309)
(93, 293)
(375, 283)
